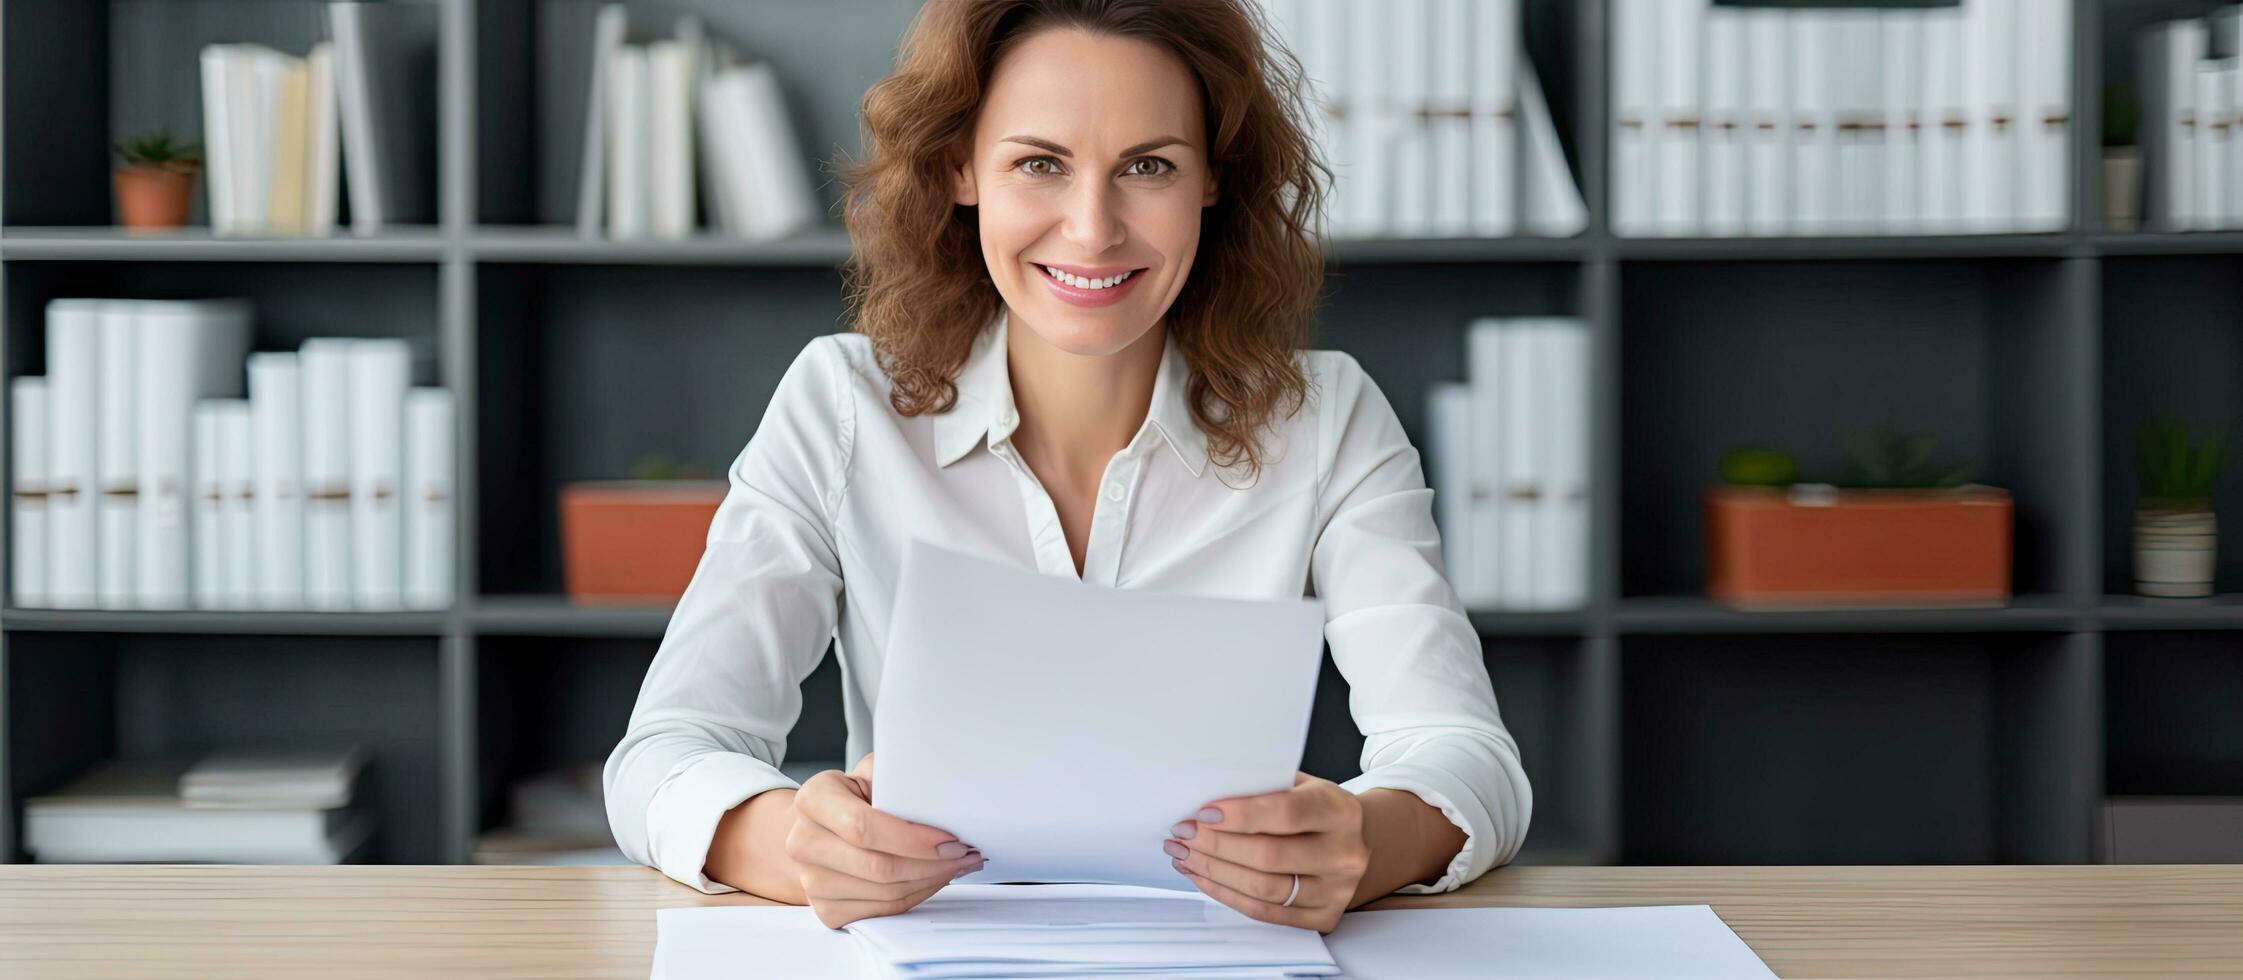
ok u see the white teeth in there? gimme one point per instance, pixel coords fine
(1106, 282)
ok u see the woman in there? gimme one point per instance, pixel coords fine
(1048, 368)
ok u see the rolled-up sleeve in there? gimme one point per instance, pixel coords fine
(710, 726)
(1418, 685)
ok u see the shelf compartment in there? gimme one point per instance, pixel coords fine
(1891, 749)
(76, 699)
(2170, 706)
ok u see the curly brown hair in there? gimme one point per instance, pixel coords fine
(1238, 322)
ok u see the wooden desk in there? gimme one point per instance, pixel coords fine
(599, 922)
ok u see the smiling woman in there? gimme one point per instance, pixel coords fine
(1083, 269)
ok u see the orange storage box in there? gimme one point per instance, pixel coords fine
(635, 541)
(1767, 547)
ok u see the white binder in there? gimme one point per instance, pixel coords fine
(237, 521)
(325, 363)
(2045, 114)
(1814, 147)
(1724, 129)
(74, 405)
(27, 460)
(1859, 89)
(1370, 200)
(1769, 198)
(1946, 124)
(429, 490)
(1635, 117)
(276, 405)
(1409, 51)
(117, 460)
(1680, 135)
(207, 503)
(189, 350)
(1455, 58)
(1498, 60)
(1990, 151)
(1483, 364)
(1562, 578)
(1901, 81)
(380, 371)
(1522, 464)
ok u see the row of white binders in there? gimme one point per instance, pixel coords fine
(1432, 119)
(663, 119)
(2190, 127)
(281, 131)
(1508, 451)
(1757, 121)
(143, 480)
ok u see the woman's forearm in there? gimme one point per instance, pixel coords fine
(1411, 843)
(749, 849)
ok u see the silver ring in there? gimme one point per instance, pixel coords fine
(1296, 893)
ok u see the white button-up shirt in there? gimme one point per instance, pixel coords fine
(806, 546)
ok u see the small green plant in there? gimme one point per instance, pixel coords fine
(2119, 113)
(659, 466)
(2174, 470)
(156, 149)
(1885, 459)
(1759, 468)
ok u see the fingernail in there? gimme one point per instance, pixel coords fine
(951, 849)
(1210, 815)
(1184, 830)
(1175, 850)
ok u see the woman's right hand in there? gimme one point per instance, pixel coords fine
(858, 862)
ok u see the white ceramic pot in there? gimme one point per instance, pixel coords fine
(2174, 552)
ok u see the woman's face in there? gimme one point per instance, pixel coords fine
(1088, 162)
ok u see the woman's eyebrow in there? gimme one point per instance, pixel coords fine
(1145, 147)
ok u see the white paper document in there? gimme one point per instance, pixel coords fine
(1676, 941)
(1063, 728)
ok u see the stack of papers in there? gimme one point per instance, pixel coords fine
(1041, 930)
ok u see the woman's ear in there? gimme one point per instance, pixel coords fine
(962, 182)
(1214, 179)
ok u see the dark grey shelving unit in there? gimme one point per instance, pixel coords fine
(1658, 727)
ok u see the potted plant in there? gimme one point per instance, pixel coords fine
(156, 181)
(637, 541)
(2176, 535)
(1901, 530)
(2122, 161)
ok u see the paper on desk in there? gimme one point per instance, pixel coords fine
(1063, 728)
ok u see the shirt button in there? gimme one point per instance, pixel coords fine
(1114, 492)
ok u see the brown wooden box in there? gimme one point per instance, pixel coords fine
(1859, 547)
(634, 541)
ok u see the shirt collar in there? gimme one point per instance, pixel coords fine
(985, 407)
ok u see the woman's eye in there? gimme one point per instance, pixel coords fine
(1039, 166)
(1159, 167)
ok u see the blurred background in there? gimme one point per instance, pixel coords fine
(1827, 405)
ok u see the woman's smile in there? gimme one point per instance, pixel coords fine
(1089, 286)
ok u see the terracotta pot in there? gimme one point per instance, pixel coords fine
(153, 196)
(1815, 545)
(634, 541)
(2175, 551)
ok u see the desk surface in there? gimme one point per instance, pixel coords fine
(2010, 921)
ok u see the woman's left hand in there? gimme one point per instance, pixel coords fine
(1244, 852)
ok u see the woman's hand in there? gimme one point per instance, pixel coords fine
(858, 862)
(1244, 852)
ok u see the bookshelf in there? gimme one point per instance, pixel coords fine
(1658, 727)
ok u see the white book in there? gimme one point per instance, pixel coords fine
(1523, 460)
(323, 183)
(1990, 153)
(1497, 59)
(1725, 127)
(2167, 60)
(591, 187)
(1901, 79)
(326, 366)
(629, 129)
(116, 458)
(380, 372)
(237, 519)
(2044, 131)
(1768, 47)
(1553, 207)
(1453, 122)
(1679, 138)
(721, 159)
(670, 140)
(1324, 55)
(217, 134)
(1410, 50)
(1484, 372)
(1946, 124)
(2212, 158)
(189, 350)
(277, 406)
(1635, 117)
(1371, 196)
(1859, 87)
(74, 404)
(1561, 580)
(274, 779)
(776, 178)
(27, 467)
(209, 500)
(1814, 147)
(429, 490)
(1448, 438)
(124, 812)
(244, 117)
(384, 133)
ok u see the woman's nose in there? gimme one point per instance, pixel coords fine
(1093, 219)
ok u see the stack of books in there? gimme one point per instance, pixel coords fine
(2191, 115)
(272, 123)
(556, 817)
(662, 118)
(144, 480)
(249, 807)
(1426, 111)
(1734, 120)
(1508, 451)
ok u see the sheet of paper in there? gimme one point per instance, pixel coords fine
(1063, 728)
(1675, 942)
(719, 942)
